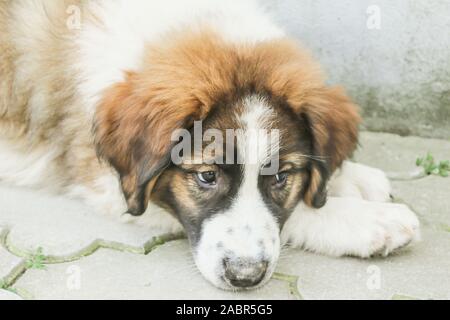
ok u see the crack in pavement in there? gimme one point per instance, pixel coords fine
(14, 275)
(90, 249)
(10, 280)
(20, 292)
(292, 284)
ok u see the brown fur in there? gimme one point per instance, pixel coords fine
(186, 77)
(182, 80)
(40, 109)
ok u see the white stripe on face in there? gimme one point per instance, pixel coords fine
(247, 234)
(259, 142)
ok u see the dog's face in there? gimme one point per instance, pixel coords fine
(235, 194)
(233, 204)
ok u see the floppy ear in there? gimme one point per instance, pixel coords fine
(333, 122)
(133, 133)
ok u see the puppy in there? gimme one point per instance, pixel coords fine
(93, 93)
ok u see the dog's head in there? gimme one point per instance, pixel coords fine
(270, 135)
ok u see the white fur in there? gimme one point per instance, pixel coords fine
(104, 51)
(248, 229)
(107, 198)
(358, 224)
(107, 51)
(350, 226)
(256, 144)
(359, 181)
(357, 220)
(27, 169)
(104, 195)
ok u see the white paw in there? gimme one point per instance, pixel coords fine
(382, 231)
(352, 227)
(360, 181)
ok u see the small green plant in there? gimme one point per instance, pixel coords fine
(2, 284)
(36, 261)
(430, 166)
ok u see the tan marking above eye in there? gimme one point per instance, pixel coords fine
(199, 167)
(286, 167)
(296, 159)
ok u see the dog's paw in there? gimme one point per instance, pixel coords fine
(352, 227)
(360, 181)
(382, 231)
(373, 184)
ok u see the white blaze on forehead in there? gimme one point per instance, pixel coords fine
(257, 117)
(258, 142)
(248, 229)
(249, 211)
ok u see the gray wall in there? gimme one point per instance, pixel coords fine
(399, 74)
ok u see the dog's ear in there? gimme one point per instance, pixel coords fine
(133, 133)
(333, 121)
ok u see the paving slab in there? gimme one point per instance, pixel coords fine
(429, 197)
(421, 271)
(8, 263)
(168, 272)
(87, 270)
(64, 228)
(394, 153)
(8, 295)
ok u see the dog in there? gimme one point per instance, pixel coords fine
(92, 92)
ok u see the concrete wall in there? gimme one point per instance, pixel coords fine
(397, 68)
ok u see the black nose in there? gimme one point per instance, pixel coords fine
(244, 273)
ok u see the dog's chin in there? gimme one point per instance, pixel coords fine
(244, 259)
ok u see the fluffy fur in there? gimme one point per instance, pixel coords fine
(89, 112)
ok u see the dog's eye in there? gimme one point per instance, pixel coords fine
(207, 179)
(280, 180)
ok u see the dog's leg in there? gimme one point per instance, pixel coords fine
(349, 226)
(359, 181)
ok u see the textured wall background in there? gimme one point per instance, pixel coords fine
(399, 73)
